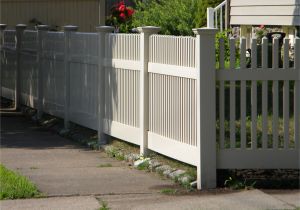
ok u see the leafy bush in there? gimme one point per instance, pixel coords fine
(200, 17)
(222, 35)
(176, 17)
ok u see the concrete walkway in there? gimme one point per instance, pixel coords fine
(72, 177)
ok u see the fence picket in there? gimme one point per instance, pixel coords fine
(232, 95)
(243, 93)
(275, 94)
(254, 96)
(264, 95)
(286, 95)
(297, 96)
(221, 95)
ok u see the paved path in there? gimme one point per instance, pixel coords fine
(72, 179)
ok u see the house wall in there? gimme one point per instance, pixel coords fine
(265, 12)
(85, 13)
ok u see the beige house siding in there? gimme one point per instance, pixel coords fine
(85, 13)
(266, 12)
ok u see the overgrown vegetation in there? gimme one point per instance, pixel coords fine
(259, 132)
(237, 184)
(105, 165)
(14, 186)
(168, 191)
(104, 206)
(175, 17)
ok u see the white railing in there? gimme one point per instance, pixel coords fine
(159, 92)
(216, 17)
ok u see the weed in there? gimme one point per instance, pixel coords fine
(236, 184)
(144, 166)
(104, 206)
(168, 191)
(104, 165)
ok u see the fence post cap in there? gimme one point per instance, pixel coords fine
(148, 29)
(21, 26)
(2, 27)
(43, 27)
(205, 31)
(70, 28)
(105, 29)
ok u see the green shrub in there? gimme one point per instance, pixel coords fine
(175, 17)
(200, 17)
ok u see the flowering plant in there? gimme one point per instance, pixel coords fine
(120, 17)
(260, 32)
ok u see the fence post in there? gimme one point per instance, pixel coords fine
(19, 35)
(102, 31)
(144, 85)
(210, 17)
(2, 28)
(42, 31)
(206, 107)
(68, 30)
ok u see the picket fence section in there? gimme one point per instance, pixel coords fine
(53, 73)
(164, 93)
(172, 97)
(271, 90)
(8, 68)
(122, 72)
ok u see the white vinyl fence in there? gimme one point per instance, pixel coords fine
(164, 93)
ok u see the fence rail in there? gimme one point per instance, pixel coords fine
(164, 93)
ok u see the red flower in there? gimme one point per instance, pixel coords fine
(130, 12)
(120, 4)
(122, 8)
(261, 26)
(122, 16)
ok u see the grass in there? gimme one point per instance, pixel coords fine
(14, 186)
(104, 206)
(144, 166)
(259, 132)
(105, 165)
(125, 146)
(168, 191)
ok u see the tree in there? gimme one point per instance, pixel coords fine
(201, 14)
(176, 17)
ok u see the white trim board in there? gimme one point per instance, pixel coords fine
(174, 149)
(121, 131)
(259, 158)
(173, 70)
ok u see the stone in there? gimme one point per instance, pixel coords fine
(140, 162)
(177, 173)
(162, 168)
(166, 173)
(133, 157)
(186, 179)
(154, 164)
(193, 184)
(34, 118)
(64, 132)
